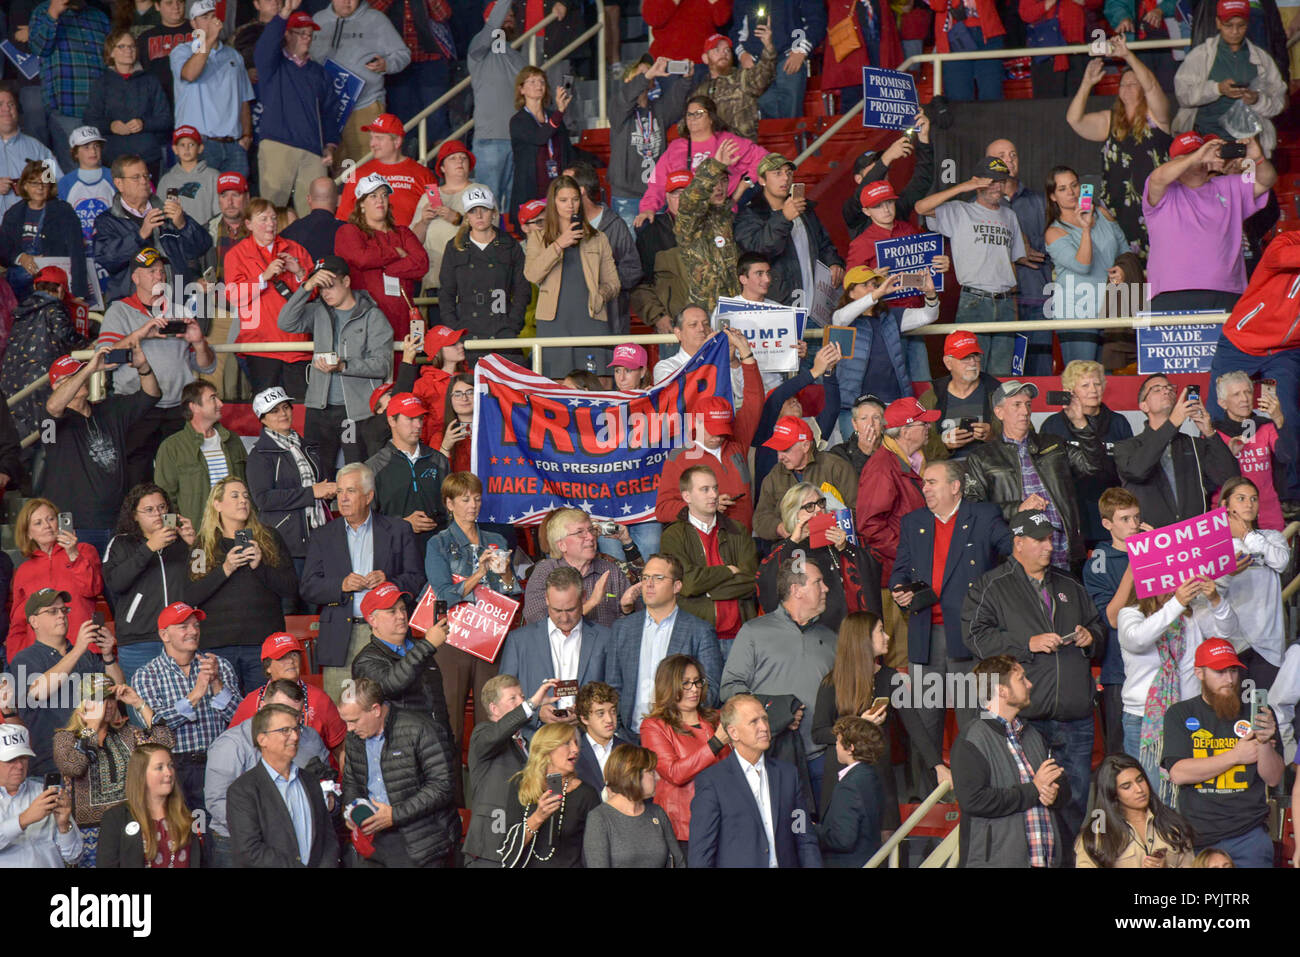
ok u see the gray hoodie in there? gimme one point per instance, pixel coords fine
(493, 66)
(197, 188)
(354, 41)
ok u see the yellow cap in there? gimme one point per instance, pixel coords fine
(860, 274)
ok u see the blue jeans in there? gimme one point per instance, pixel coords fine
(646, 535)
(913, 48)
(60, 127)
(415, 88)
(784, 98)
(1038, 360)
(1079, 345)
(495, 168)
(626, 208)
(216, 851)
(247, 662)
(1252, 849)
(32, 106)
(1070, 743)
(225, 157)
(134, 657)
(1283, 366)
(962, 76)
(918, 358)
(997, 348)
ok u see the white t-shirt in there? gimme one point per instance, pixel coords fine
(985, 243)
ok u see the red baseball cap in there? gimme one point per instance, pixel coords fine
(385, 123)
(907, 410)
(713, 40)
(961, 344)
(379, 394)
(716, 414)
(1227, 9)
(451, 148)
(1185, 143)
(301, 18)
(62, 367)
(280, 644)
(181, 132)
(789, 430)
(51, 274)
(228, 182)
(382, 596)
(1217, 653)
(404, 403)
(873, 194)
(177, 612)
(440, 336)
(679, 179)
(630, 356)
(531, 210)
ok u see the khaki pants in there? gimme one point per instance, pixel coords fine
(222, 332)
(333, 678)
(284, 169)
(356, 144)
(896, 628)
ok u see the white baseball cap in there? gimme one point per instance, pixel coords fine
(368, 184)
(478, 196)
(268, 399)
(199, 7)
(83, 135)
(15, 742)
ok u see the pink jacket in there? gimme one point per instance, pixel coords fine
(675, 158)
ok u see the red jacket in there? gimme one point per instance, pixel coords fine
(862, 252)
(989, 21)
(371, 257)
(1266, 318)
(81, 578)
(259, 306)
(885, 494)
(837, 74)
(321, 714)
(681, 757)
(1068, 13)
(680, 26)
(732, 471)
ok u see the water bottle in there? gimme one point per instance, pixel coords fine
(591, 364)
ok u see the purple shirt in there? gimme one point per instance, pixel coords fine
(1196, 235)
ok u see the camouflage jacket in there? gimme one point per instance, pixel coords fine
(737, 93)
(704, 237)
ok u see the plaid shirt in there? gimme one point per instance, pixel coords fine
(72, 55)
(1033, 484)
(1038, 819)
(164, 687)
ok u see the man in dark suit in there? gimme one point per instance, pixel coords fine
(347, 558)
(747, 811)
(276, 812)
(644, 638)
(497, 753)
(948, 545)
(562, 645)
(597, 710)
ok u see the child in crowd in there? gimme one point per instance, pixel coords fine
(194, 181)
(88, 189)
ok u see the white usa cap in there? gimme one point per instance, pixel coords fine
(14, 742)
(476, 197)
(268, 399)
(368, 184)
(83, 135)
(199, 7)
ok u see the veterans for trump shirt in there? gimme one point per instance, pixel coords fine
(985, 243)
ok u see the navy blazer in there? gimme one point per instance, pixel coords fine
(850, 831)
(727, 827)
(587, 768)
(690, 636)
(527, 656)
(328, 563)
(980, 540)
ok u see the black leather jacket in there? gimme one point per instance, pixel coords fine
(993, 475)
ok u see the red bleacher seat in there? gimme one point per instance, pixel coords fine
(1108, 85)
(306, 628)
(1018, 89)
(939, 821)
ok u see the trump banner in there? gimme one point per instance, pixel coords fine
(1165, 558)
(539, 445)
(477, 627)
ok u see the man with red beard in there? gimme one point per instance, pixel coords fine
(1223, 763)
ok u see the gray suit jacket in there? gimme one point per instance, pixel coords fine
(494, 758)
(527, 656)
(691, 636)
(261, 831)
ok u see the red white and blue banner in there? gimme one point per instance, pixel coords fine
(539, 445)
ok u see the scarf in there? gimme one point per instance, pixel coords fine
(893, 446)
(292, 443)
(1164, 691)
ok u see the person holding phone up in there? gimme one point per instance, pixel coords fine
(43, 815)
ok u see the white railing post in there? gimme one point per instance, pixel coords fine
(602, 94)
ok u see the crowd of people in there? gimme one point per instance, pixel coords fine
(722, 682)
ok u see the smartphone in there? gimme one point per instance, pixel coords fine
(1193, 393)
(797, 191)
(93, 647)
(1085, 198)
(65, 521)
(679, 67)
(760, 17)
(1066, 639)
(1058, 398)
(175, 327)
(243, 538)
(724, 323)
(170, 520)
(331, 358)
(966, 424)
(435, 197)
(417, 328)
(1268, 387)
(439, 609)
(1258, 701)
(173, 193)
(118, 357)
(1232, 151)
(54, 780)
(359, 814)
(555, 783)
(210, 274)
(879, 703)
(566, 81)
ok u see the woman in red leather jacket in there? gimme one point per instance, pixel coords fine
(687, 737)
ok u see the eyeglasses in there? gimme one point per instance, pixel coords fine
(291, 729)
(60, 612)
(135, 177)
(155, 510)
(690, 683)
(697, 113)
(818, 506)
(657, 579)
(587, 532)
(463, 394)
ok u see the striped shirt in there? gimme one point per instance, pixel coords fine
(215, 456)
(72, 55)
(165, 689)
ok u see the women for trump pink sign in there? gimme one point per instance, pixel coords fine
(1165, 558)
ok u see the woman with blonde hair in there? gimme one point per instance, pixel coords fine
(573, 267)
(94, 749)
(553, 804)
(153, 827)
(538, 135)
(241, 573)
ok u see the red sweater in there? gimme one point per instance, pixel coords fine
(81, 578)
(837, 74)
(1266, 318)
(988, 21)
(862, 252)
(259, 306)
(1068, 13)
(681, 27)
(321, 714)
(371, 257)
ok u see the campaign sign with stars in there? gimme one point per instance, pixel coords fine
(539, 445)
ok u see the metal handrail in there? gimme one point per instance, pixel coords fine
(1064, 325)
(938, 60)
(419, 118)
(947, 853)
(889, 848)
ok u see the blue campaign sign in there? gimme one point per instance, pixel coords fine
(539, 445)
(347, 86)
(889, 100)
(1018, 354)
(911, 254)
(28, 64)
(1169, 349)
(728, 304)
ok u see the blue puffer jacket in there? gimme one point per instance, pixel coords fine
(117, 240)
(850, 371)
